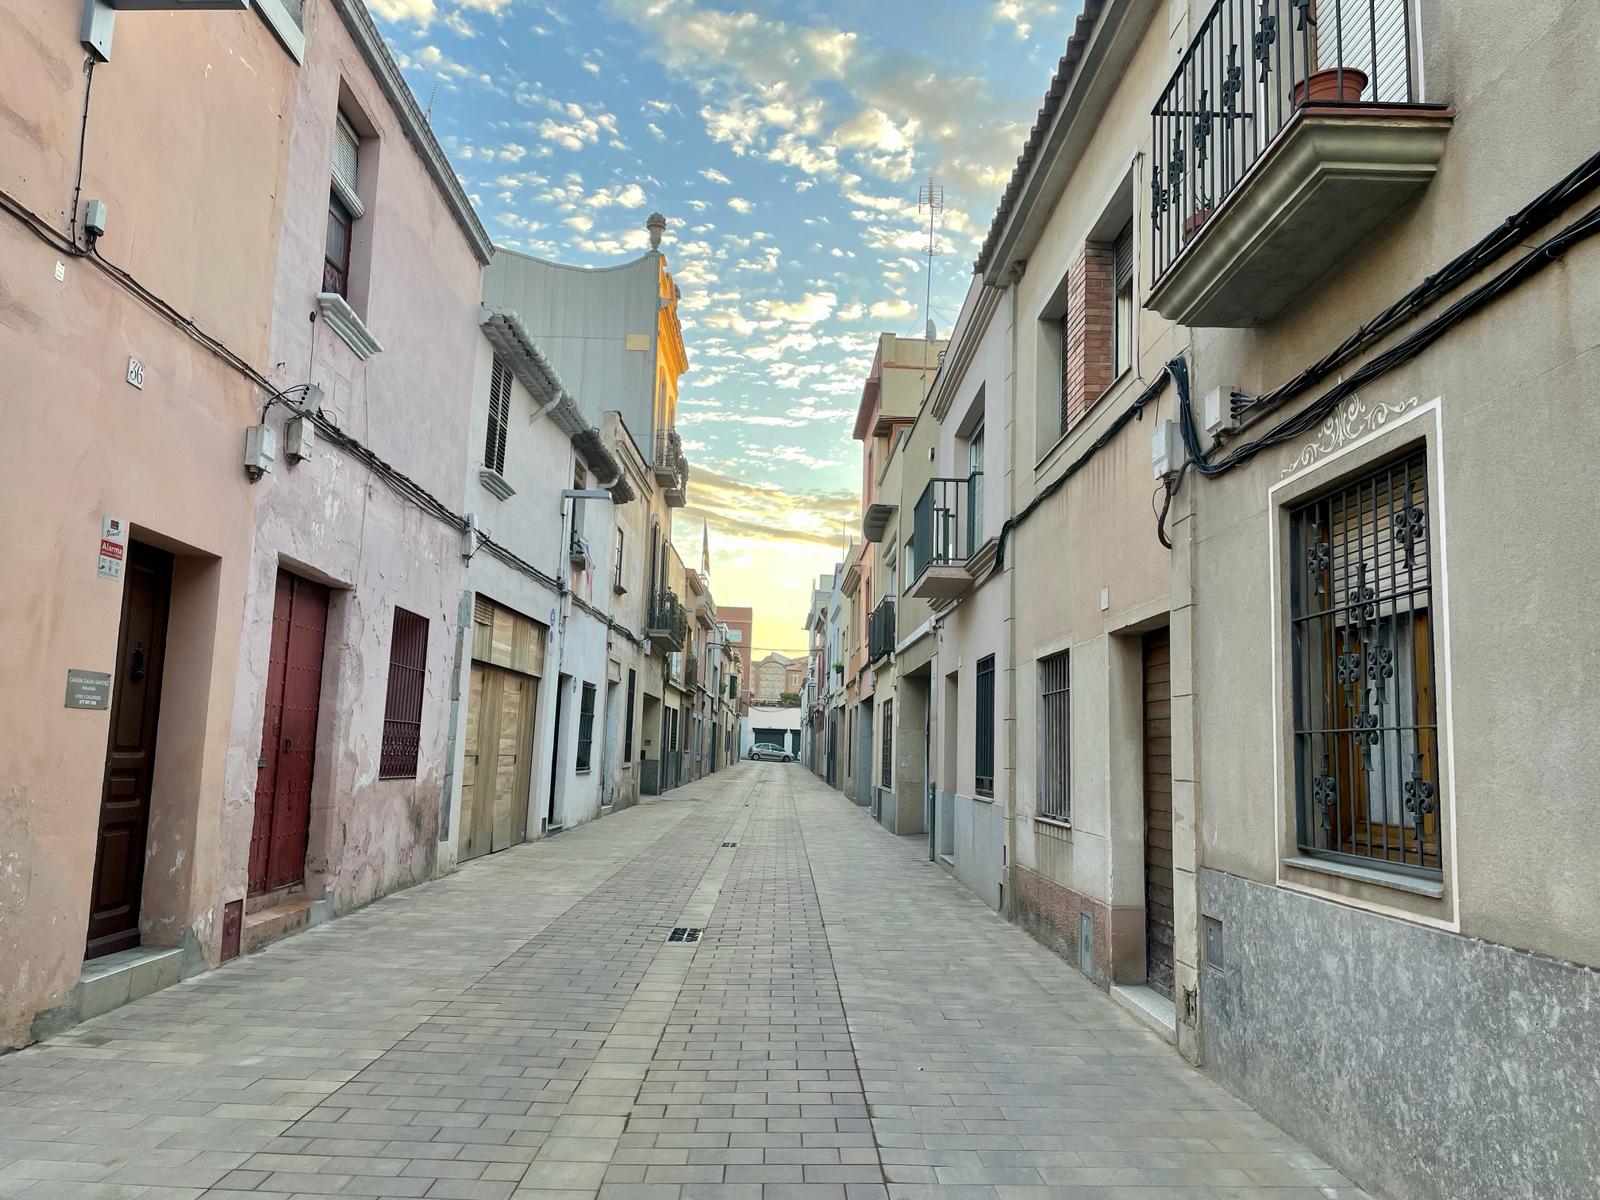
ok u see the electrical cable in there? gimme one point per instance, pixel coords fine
(83, 141)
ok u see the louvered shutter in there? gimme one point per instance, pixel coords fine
(346, 153)
(494, 450)
(1350, 31)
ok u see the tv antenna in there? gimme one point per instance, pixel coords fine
(930, 199)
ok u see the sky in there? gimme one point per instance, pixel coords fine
(787, 145)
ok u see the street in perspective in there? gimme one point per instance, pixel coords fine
(708, 600)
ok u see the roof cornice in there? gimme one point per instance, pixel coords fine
(413, 121)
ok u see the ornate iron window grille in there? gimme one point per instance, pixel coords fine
(983, 757)
(1366, 749)
(1055, 737)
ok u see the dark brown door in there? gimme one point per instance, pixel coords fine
(130, 752)
(288, 735)
(1158, 811)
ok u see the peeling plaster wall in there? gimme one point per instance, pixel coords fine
(1424, 1064)
(332, 521)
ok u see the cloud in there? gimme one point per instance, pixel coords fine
(740, 205)
(805, 312)
(578, 127)
(420, 11)
(714, 175)
(628, 196)
(1018, 17)
(894, 310)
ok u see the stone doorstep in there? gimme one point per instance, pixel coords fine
(1150, 1007)
(110, 982)
(265, 926)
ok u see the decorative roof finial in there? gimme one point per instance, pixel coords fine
(657, 225)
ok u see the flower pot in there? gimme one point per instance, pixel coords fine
(1194, 221)
(1331, 85)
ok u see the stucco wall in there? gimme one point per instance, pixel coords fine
(81, 443)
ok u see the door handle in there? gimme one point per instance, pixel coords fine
(136, 666)
(288, 745)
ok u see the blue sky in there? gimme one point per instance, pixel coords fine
(786, 145)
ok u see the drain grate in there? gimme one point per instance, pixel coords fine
(682, 934)
(726, 845)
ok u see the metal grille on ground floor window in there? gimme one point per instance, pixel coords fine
(1055, 737)
(887, 778)
(402, 710)
(586, 728)
(983, 769)
(627, 720)
(1366, 755)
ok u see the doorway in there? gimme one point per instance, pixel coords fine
(502, 696)
(1158, 882)
(288, 735)
(130, 752)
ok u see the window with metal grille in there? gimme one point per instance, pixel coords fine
(344, 207)
(494, 448)
(1055, 737)
(1122, 302)
(402, 709)
(586, 728)
(886, 779)
(983, 758)
(627, 721)
(1366, 752)
(616, 566)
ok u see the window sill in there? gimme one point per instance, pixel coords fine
(283, 27)
(980, 798)
(495, 483)
(1433, 889)
(341, 318)
(1053, 822)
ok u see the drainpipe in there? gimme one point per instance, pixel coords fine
(1008, 647)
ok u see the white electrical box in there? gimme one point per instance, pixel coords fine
(1216, 411)
(1166, 449)
(260, 450)
(299, 439)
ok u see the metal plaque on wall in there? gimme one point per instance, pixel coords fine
(88, 689)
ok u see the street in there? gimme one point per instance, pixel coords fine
(851, 1023)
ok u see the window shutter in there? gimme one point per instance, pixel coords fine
(1348, 34)
(346, 153)
(494, 450)
(1123, 257)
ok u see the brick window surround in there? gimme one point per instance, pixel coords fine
(1087, 332)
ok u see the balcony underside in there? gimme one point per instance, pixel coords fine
(665, 639)
(942, 583)
(1334, 175)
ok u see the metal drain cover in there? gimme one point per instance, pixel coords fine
(682, 934)
(726, 845)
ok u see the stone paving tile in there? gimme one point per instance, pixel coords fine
(852, 1025)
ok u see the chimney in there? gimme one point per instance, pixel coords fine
(657, 225)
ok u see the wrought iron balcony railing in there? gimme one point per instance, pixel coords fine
(1251, 69)
(668, 626)
(944, 527)
(881, 631)
(671, 467)
(691, 670)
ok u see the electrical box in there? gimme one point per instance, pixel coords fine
(1216, 411)
(260, 450)
(1167, 454)
(469, 536)
(299, 439)
(94, 217)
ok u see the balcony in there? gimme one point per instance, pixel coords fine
(881, 631)
(1289, 132)
(668, 626)
(691, 670)
(944, 533)
(671, 467)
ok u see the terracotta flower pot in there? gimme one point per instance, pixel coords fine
(1194, 221)
(1323, 87)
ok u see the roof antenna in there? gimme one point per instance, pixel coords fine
(428, 112)
(930, 199)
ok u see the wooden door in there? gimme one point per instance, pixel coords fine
(130, 752)
(497, 767)
(288, 735)
(1158, 884)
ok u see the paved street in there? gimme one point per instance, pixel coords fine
(852, 1024)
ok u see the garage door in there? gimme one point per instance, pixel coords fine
(507, 661)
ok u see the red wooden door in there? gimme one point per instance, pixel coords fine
(288, 734)
(130, 753)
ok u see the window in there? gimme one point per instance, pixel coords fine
(975, 490)
(911, 561)
(983, 759)
(344, 207)
(887, 776)
(1122, 302)
(1366, 756)
(1064, 348)
(616, 566)
(586, 728)
(402, 710)
(494, 449)
(627, 721)
(1055, 737)
(736, 635)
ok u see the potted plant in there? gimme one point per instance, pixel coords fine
(1331, 85)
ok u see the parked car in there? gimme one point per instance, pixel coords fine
(767, 752)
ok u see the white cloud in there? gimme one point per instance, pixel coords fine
(592, 67)
(629, 196)
(806, 311)
(1013, 13)
(714, 175)
(580, 127)
(493, 7)
(420, 11)
(740, 205)
(656, 131)
(894, 310)
(581, 223)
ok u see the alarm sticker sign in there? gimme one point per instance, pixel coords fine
(113, 546)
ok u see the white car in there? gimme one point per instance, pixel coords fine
(767, 752)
